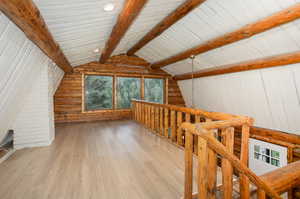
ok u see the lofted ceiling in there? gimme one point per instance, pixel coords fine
(81, 26)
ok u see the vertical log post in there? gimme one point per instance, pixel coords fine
(227, 170)
(188, 184)
(212, 169)
(179, 130)
(161, 120)
(173, 125)
(261, 194)
(197, 120)
(244, 181)
(166, 122)
(152, 118)
(202, 168)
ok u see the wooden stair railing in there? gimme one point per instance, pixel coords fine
(271, 184)
(165, 120)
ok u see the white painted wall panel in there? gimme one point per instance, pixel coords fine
(271, 96)
(21, 63)
(34, 125)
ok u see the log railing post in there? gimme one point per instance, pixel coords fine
(142, 114)
(173, 126)
(188, 184)
(148, 116)
(166, 122)
(227, 170)
(202, 168)
(152, 118)
(197, 120)
(212, 168)
(161, 120)
(244, 181)
(133, 110)
(261, 194)
(179, 130)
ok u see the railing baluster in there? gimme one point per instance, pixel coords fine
(173, 126)
(137, 112)
(202, 168)
(227, 170)
(244, 181)
(142, 115)
(188, 188)
(152, 118)
(161, 120)
(166, 122)
(157, 120)
(179, 130)
(261, 194)
(212, 174)
(197, 120)
(148, 116)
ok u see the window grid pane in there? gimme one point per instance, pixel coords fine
(154, 90)
(98, 92)
(127, 89)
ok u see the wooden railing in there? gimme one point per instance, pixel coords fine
(210, 136)
(271, 184)
(166, 120)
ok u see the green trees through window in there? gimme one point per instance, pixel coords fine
(98, 92)
(127, 89)
(154, 90)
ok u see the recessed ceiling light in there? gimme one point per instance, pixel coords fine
(109, 7)
(96, 50)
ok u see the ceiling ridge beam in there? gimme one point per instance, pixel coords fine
(282, 17)
(167, 22)
(266, 62)
(130, 11)
(26, 15)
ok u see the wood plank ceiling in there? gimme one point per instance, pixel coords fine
(81, 26)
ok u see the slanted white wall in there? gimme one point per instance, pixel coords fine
(21, 65)
(271, 96)
(34, 125)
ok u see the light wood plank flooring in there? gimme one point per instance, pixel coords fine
(109, 160)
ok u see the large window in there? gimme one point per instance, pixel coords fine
(98, 92)
(154, 90)
(128, 88)
(103, 92)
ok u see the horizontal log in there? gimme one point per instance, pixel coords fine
(167, 22)
(273, 61)
(285, 178)
(130, 11)
(287, 15)
(26, 15)
(207, 114)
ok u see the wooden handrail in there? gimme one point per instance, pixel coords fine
(285, 178)
(221, 150)
(165, 120)
(204, 113)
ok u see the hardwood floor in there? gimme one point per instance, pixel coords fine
(111, 160)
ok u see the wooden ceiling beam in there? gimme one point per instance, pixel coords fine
(130, 11)
(273, 61)
(167, 22)
(27, 17)
(275, 20)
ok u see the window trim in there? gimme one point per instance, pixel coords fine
(165, 88)
(114, 87)
(83, 94)
(116, 90)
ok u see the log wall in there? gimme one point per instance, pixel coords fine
(68, 97)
